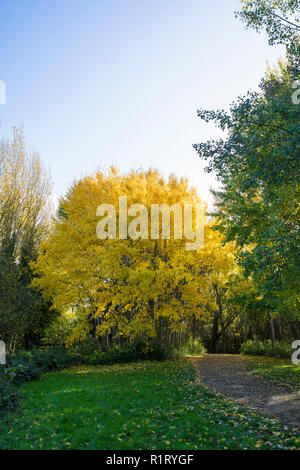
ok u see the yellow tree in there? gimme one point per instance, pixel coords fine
(127, 288)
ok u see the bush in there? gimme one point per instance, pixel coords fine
(16, 371)
(149, 351)
(192, 346)
(132, 352)
(58, 332)
(9, 396)
(21, 370)
(112, 356)
(281, 349)
(48, 359)
(29, 365)
(80, 351)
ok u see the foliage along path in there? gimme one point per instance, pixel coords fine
(228, 374)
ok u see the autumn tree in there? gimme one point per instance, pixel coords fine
(24, 194)
(123, 289)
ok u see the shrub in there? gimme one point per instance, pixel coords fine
(21, 370)
(80, 351)
(138, 350)
(281, 349)
(16, 371)
(192, 346)
(8, 395)
(58, 332)
(152, 351)
(54, 358)
(29, 365)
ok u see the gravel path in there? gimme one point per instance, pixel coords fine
(228, 374)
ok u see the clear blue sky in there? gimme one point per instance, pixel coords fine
(100, 82)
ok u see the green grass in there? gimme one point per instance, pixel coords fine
(135, 406)
(277, 370)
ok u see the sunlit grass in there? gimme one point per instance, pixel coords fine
(135, 406)
(278, 370)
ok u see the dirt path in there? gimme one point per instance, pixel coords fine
(228, 374)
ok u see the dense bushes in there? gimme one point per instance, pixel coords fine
(9, 397)
(29, 365)
(48, 359)
(265, 348)
(21, 370)
(87, 353)
(18, 369)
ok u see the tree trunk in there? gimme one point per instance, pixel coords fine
(214, 333)
(245, 332)
(273, 338)
(280, 328)
(195, 327)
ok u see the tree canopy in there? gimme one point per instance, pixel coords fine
(258, 205)
(24, 221)
(130, 288)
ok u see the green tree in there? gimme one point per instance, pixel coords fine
(24, 221)
(281, 21)
(258, 206)
(279, 18)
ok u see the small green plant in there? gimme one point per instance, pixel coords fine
(280, 349)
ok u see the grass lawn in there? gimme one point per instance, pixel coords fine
(277, 370)
(135, 406)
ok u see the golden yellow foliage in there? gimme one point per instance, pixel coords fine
(128, 287)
